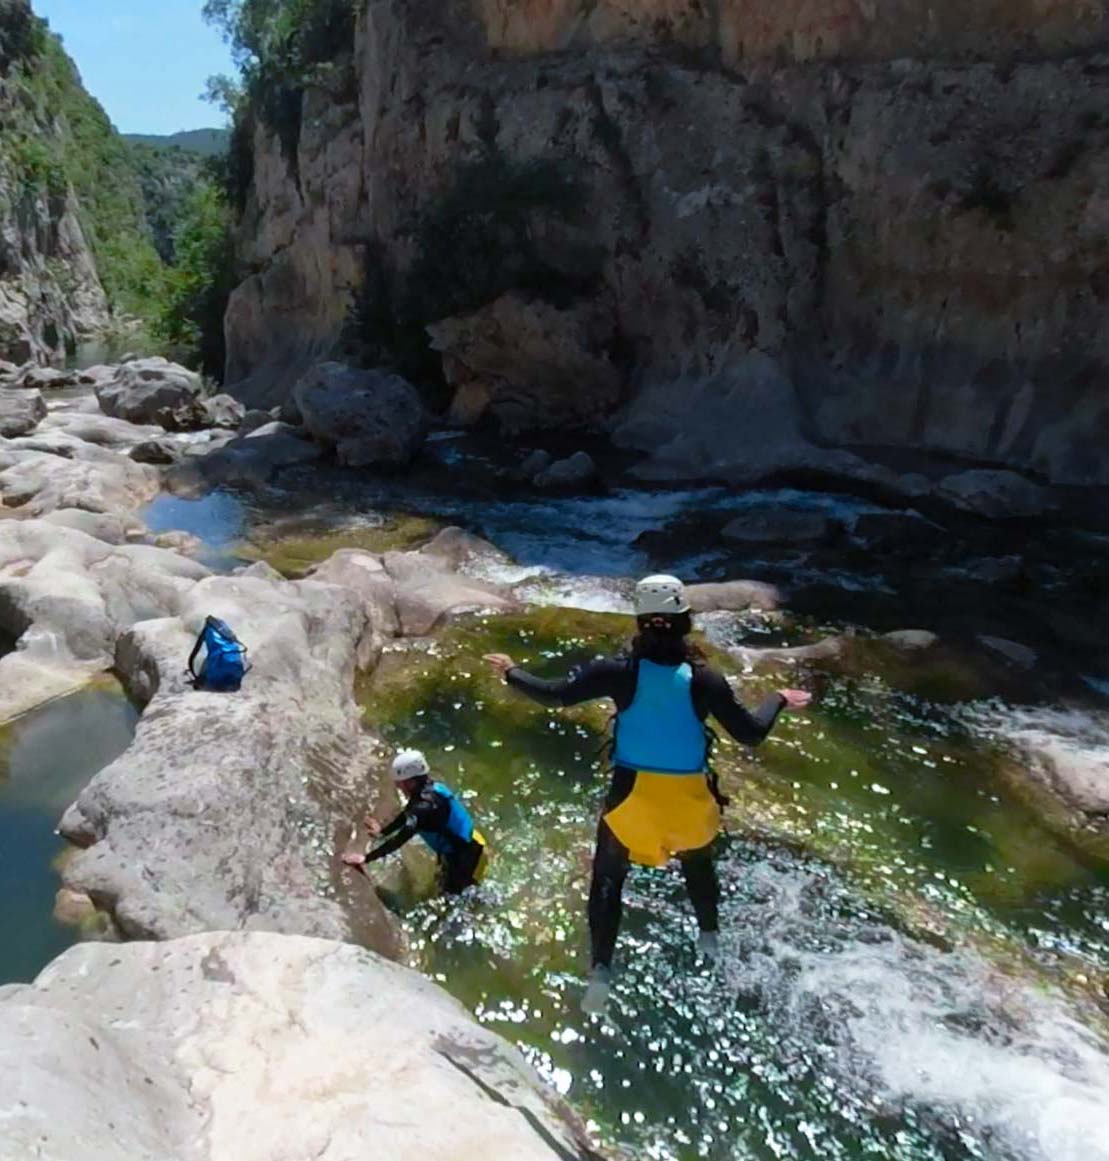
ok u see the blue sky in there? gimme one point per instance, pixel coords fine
(145, 61)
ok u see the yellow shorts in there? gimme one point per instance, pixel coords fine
(483, 862)
(664, 815)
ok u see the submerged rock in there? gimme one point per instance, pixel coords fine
(576, 473)
(251, 1047)
(995, 494)
(20, 412)
(371, 418)
(778, 525)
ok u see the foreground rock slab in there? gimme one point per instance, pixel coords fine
(235, 1047)
(20, 412)
(226, 811)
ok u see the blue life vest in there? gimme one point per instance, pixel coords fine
(225, 665)
(459, 829)
(660, 731)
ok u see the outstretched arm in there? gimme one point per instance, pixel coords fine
(605, 677)
(744, 725)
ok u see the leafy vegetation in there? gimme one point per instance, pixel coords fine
(190, 312)
(280, 47)
(478, 240)
(202, 142)
(58, 137)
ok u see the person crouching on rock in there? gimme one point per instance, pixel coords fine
(663, 800)
(435, 814)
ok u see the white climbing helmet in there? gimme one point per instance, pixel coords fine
(660, 594)
(410, 764)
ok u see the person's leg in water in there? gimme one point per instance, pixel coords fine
(703, 887)
(606, 908)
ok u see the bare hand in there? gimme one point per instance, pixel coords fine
(372, 825)
(354, 859)
(796, 699)
(500, 663)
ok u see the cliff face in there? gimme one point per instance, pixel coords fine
(903, 247)
(50, 294)
(74, 242)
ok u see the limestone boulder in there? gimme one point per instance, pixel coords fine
(995, 494)
(155, 391)
(224, 411)
(733, 596)
(101, 430)
(252, 460)
(253, 1047)
(41, 475)
(20, 412)
(427, 594)
(66, 597)
(529, 365)
(576, 473)
(155, 451)
(771, 526)
(258, 786)
(45, 379)
(370, 418)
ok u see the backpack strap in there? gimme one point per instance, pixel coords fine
(192, 656)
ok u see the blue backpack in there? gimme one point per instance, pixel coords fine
(225, 664)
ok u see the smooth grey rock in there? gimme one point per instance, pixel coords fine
(45, 379)
(252, 420)
(155, 391)
(995, 494)
(778, 525)
(20, 412)
(733, 596)
(66, 597)
(155, 451)
(224, 411)
(1019, 655)
(253, 785)
(106, 527)
(253, 460)
(371, 418)
(41, 475)
(98, 429)
(911, 640)
(246, 1047)
(534, 463)
(426, 593)
(576, 473)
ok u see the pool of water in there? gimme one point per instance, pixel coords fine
(46, 759)
(904, 988)
(218, 519)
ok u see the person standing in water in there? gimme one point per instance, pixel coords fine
(663, 800)
(433, 812)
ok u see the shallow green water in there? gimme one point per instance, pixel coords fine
(46, 759)
(827, 1031)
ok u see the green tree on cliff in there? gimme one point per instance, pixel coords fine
(191, 315)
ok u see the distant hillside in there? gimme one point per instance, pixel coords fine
(206, 142)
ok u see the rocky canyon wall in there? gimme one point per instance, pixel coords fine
(50, 293)
(805, 226)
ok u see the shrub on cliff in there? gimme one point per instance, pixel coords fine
(279, 47)
(486, 234)
(190, 315)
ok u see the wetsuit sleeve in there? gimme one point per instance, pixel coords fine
(605, 677)
(715, 696)
(409, 825)
(416, 816)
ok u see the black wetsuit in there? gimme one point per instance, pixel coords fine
(428, 812)
(615, 678)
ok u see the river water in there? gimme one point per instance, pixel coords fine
(915, 955)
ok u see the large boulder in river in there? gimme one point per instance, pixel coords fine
(258, 786)
(20, 412)
(155, 391)
(529, 364)
(371, 418)
(575, 473)
(258, 1047)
